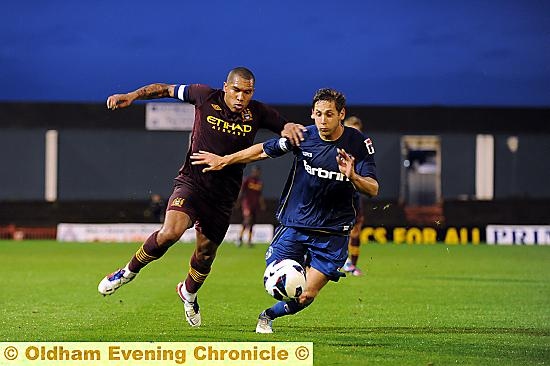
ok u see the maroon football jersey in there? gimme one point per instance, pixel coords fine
(251, 191)
(220, 131)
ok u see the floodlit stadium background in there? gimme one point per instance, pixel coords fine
(455, 97)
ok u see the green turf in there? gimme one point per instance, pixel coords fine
(417, 305)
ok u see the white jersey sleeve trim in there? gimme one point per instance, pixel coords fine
(283, 144)
(180, 91)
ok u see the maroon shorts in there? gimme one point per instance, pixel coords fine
(249, 214)
(210, 215)
(248, 209)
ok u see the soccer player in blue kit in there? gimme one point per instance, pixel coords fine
(317, 207)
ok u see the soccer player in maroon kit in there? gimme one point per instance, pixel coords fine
(354, 247)
(251, 201)
(226, 121)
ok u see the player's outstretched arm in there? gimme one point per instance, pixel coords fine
(152, 91)
(346, 164)
(216, 162)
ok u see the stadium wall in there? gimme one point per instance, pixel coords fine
(104, 164)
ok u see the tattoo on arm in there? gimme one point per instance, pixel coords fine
(153, 91)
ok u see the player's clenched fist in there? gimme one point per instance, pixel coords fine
(119, 101)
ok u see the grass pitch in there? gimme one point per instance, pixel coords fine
(416, 305)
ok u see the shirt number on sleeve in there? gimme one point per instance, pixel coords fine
(370, 146)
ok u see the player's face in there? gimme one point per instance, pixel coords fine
(328, 120)
(238, 93)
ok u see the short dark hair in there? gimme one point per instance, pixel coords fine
(242, 72)
(330, 95)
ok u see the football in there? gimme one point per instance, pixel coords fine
(285, 280)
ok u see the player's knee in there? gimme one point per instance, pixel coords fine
(305, 301)
(307, 297)
(168, 236)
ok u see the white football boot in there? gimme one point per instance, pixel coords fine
(265, 324)
(113, 281)
(190, 309)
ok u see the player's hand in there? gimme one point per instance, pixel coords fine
(346, 163)
(119, 101)
(294, 132)
(214, 162)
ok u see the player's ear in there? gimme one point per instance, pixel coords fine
(343, 114)
(225, 86)
(312, 113)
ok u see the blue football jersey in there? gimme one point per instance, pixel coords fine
(316, 195)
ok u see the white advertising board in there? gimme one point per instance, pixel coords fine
(169, 116)
(518, 234)
(261, 233)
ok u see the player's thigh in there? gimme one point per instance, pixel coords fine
(212, 220)
(287, 243)
(316, 280)
(245, 211)
(327, 254)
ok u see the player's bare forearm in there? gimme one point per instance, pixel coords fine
(248, 155)
(216, 162)
(365, 185)
(346, 165)
(155, 91)
(152, 91)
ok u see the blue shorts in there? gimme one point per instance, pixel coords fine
(327, 253)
